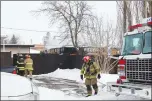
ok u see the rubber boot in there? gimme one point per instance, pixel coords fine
(88, 95)
(30, 77)
(95, 93)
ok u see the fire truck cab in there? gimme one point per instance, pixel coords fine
(135, 62)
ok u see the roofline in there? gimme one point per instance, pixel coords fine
(83, 47)
(16, 45)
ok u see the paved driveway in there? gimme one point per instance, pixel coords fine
(71, 87)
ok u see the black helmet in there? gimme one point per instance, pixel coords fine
(21, 59)
(20, 56)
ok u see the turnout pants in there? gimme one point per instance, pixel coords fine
(20, 72)
(27, 71)
(91, 83)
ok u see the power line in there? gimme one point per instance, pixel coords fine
(27, 30)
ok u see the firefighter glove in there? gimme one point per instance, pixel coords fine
(99, 76)
(81, 76)
(88, 70)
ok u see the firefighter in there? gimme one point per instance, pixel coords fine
(20, 65)
(28, 66)
(91, 72)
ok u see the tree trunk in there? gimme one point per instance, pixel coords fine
(129, 13)
(124, 16)
(137, 11)
(150, 8)
(144, 9)
(149, 13)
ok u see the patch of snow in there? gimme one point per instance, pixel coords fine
(50, 94)
(74, 74)
(108, 78)
(71, 74)
(21, 85)
(14, 85)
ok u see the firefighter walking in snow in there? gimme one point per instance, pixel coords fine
(20, 65)
(28, 66)
(91, 72)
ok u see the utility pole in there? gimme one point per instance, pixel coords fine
(3, 45)
(4, 38)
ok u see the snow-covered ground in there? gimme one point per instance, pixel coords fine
(74, 74)
(50, 94)
(15, 87)
(7, 81)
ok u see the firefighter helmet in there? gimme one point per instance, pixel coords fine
(20, 55)
(27, 56)
(86, 58)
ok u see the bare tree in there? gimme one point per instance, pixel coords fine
(119, 25)
(122, 5)
(7, 41)
(14, 40)
(94, 29)
(143, 9)
(136, 11)
(121, 20)
(150, 8)
(103, 36)
(129, 13)
(139, 10)
(71, 16)
(124, 16)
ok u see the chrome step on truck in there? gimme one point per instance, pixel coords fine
(140, 90)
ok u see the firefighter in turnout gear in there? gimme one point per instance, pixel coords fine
(91, 72)
(20, 65)
(28, 66)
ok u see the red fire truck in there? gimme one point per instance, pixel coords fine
(135, 62)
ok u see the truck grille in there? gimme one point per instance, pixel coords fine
(139, 70)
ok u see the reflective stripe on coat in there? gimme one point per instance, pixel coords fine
(20, 65)
(28, 64)
(94, 70)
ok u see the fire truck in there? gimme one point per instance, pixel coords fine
(135, 62)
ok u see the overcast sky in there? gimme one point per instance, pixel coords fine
(16, 14)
